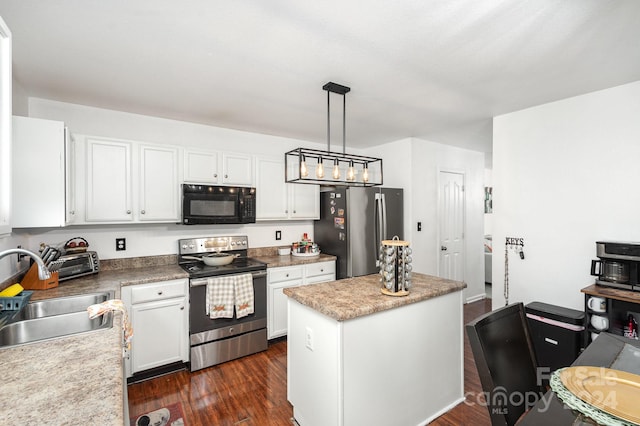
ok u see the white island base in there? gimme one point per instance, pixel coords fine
(398, 367)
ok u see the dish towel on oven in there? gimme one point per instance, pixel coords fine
(220, 297)
(244, 295)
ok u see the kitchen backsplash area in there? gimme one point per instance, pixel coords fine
(146, 244)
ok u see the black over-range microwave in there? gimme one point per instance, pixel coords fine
(207, 204)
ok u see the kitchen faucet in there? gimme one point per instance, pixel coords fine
(43, 272)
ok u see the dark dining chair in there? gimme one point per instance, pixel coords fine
(506, 362)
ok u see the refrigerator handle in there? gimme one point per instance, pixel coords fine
(377, 231)
(384, 235)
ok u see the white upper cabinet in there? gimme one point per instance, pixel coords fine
(131, 182)
(43, 193)
(271, 191)
(201, 167)
(159, 189)
(109, 182)
(237, 169)
(5, 129)
(277, 200)
(213, 167)
(304, 201)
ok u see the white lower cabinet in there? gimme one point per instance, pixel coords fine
(159, 315)
(291, 276)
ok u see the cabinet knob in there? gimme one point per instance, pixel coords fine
(182, 308)
(321, 270)
(143, 212)
(160, 293)
(287, 275)
(286, 211)
(294, 212)
(72, 212)
(230, 330)
(226, 176)
(215, 175)
(128, 211)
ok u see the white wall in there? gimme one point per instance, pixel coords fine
(565, 174)
(414, 164)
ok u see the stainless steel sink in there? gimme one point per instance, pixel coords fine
(62, 316)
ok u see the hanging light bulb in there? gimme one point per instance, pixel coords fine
(304, 172)
(365, 173)
(336, 169)
(320, 169)
(351, 172)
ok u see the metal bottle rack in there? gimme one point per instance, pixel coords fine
(395, 267)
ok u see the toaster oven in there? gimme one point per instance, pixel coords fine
(78, 264)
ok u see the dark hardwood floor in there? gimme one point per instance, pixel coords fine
(252, 391)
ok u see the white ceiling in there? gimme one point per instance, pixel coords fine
(432, 69)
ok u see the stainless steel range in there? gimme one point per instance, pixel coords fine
(214, 341)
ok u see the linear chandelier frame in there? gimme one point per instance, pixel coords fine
(345, 169)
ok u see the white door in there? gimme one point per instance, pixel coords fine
(305, 201)
(5, 129)
(109, 197)
(159, 337)
(159, 196)
(201, 167)
(271, 191)
(237, 169)
(451, 229)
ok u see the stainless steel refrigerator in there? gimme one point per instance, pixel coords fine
(353, 221)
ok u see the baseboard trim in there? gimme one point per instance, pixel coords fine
(443, 411)
(476, 298)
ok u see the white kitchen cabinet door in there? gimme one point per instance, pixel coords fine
(70, 179)
(201, 167)
(271, 191)
(38, 173)
(304, 201)
(277, 200)
(159, 333)
(237, 169)
(277, 308)
(5, 128)
(159, 189)
(108, 191)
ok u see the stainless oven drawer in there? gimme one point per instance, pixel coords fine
(225, 350)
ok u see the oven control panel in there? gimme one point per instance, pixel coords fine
(212, 244)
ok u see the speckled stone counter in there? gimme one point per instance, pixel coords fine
(112, 280)
(277, 261)
(77, 379)
(354, 297)
(71, 380)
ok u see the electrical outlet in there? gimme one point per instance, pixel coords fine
(278, 235)
(308, 338)
(121, 244)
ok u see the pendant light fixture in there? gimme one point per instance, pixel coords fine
(347, 170)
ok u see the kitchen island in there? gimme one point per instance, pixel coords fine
(356, 356)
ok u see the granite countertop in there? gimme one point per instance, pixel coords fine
(75, 379)
(70, 380)
(112, 280)
(355, 297)
(276, 261)
(78, 379)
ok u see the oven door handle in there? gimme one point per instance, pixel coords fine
(203, 281)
